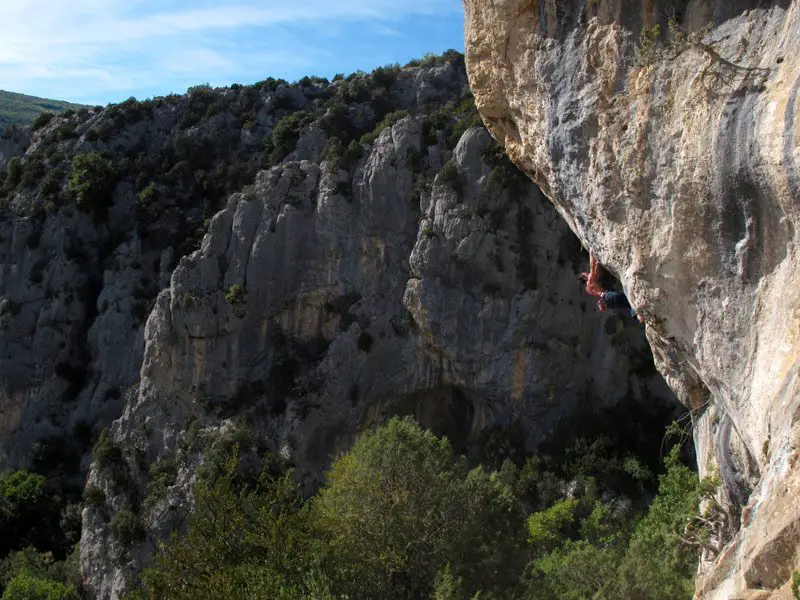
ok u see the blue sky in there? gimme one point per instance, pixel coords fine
(101, 51)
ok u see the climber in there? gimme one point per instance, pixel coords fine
(607, 299)
(592, 278)
(618, 302)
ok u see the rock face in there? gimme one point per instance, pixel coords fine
(365, 252)
(76, 285)
(315, 309)
(673, 153)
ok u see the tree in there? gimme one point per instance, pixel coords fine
(92, 180)
(29, 587)
(240, 543)
(611, 557)
(26, 511)
(285, 136)
(400, 506)
(545, 527)
(657, 564)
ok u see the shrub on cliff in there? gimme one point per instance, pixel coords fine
(388, 121)
(235, 294)
(450, 176)
(14, 172)
(42, 120)
(125, 526)
(505, 175)
(285, 136)
(92, 180)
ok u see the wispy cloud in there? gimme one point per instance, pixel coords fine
(90, 49)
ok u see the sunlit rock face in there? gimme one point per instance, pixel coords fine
(673, 155)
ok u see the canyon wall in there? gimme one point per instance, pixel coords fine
(664, 132)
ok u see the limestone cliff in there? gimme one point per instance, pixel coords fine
(280, 266)
(665, 134)
(327, 297)
(77, 283)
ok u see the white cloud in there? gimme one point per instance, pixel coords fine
(85, 47)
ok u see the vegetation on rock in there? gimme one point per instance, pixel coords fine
(92, 180)
(402, 515)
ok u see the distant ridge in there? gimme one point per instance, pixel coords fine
(20, 109)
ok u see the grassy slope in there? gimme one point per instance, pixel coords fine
(22, 110)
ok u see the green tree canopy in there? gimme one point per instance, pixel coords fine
(24, 510)
(29, 587)
(92, 180)
(241, 543)
(401, 505)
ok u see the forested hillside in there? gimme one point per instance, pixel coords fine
(20, 109)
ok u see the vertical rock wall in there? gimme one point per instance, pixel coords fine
(665, 134)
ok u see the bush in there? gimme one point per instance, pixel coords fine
(94, 496)
(51, 185)
(34, 170)
(796, 584)
(28, 587)
(92, 180)
(239, 542)
(344, 189)
(413, 160)
(386, 76)
(388, 121)
(468, 117)
(545, 527)
(505, 175)
(429, 60)
(151, 209)
(433, 123)
(235, 294)
(333, 155)
(285, 136)
(648, 44)
(147, 193)
(451, 177)
(14, 171)
(125, 526)
(65, 131)
(106, 452)
(42, 120)
(25, 508)
(162, 475)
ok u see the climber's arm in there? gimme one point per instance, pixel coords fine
(594, 267)
(592, 281)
